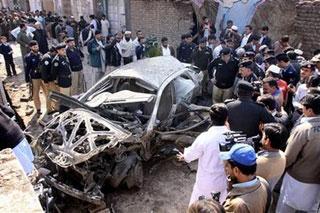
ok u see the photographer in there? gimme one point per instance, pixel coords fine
(271, 161)
(247, 193)
(210, 175)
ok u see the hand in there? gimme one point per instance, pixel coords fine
(180, 156)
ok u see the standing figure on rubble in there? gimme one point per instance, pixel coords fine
(33, 74)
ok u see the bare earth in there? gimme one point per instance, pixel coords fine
(167, 184)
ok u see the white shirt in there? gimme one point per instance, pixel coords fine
(128, 48)
(95, 25)
(245, 39)
(166, 51)
(210, 174)
(301, 92)
(105, 27)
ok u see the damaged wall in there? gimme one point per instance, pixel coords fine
(279, 16)
(161, 18)
(308, 26)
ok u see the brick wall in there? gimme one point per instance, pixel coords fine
(279, 16)
(161, 18)
(308, 26)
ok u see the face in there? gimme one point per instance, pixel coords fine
(232, 173)
(71, 43)
(139, 35)
(61, 51)
(98, 37)
(264, 32)
(307, 112)
(119, 37)
(264, 141)
(202, 45)
(3, 40)
(267, 89)
(245, 72)
(248, 31)
(281, 64)
(305, 73)
(189, 40)
(165, 43)
(206, 20)
(225, 57)
(34, 48)
(229, 24)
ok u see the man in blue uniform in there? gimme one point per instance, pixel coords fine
(7, 52)
(45, 69)
(75, 59)
(185, 50)
(61, 71)
(33, 74)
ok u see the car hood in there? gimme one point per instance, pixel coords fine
(79, 134)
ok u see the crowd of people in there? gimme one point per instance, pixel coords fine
(257, 87)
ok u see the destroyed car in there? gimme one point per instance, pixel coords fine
(123, 120)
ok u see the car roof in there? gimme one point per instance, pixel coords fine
(153, 71)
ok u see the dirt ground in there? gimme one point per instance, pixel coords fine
(167, 184)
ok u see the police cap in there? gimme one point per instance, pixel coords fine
(270, 52)
(60, 46)
(282, 57)
(33, 43)
(271, 59)
(306, 64)
(225, 51)
(246, 64)
(69, 39)
(249, 54)
(245, 85)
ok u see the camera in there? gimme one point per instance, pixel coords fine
(234, 137)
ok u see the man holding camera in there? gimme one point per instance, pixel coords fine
(302, 177)
(247, 193)
(210, 175)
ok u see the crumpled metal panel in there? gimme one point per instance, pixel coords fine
(83, 135)
(153, 71)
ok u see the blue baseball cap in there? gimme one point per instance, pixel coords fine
(243, 154)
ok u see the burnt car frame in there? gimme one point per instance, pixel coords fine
(123, 120)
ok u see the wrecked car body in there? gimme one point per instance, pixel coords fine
(120, 122)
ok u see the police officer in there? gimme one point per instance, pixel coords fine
(61, 71)
(75, 58)
(185, 50)
(246, 71)
(244, 114)
(47, 78)
(33, 74)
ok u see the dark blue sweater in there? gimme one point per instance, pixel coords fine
(4, 50)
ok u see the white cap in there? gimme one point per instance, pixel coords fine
(234, 27)
(298, 52)
(38, 23)
(127, 32)
(262, 47)
(316, 58)
(274, 69)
